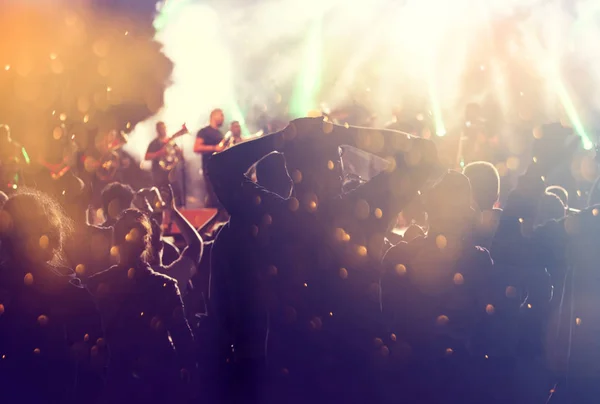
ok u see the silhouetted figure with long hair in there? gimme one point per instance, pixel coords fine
(146, 329)
(51, 346)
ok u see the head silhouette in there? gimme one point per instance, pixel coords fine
(271, 173)
(33, 227)
(132, 235)
(550, 207)
(313, 160)
(485, 184)
(116, 197)
(448, 203)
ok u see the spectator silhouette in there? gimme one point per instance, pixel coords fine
(144, 320)
(50, 333)
(485, 187)
(292, 250)
(115, 197)
(435, 294)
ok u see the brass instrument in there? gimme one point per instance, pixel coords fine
(171, 158)
(108, 166)
(110, 162)
(227, 141)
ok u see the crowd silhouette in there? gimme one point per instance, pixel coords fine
(306, 294)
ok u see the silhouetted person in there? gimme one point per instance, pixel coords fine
(290, 251)
(435, 294)
(88, 250)
(550, 207)
(51, 345)
(115, 197)
(485, 186)
(234, 292)
(146, 329)
(186, 263)
(209, 140)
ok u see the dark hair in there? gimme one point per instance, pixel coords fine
(133, 219)
(485, 183)
(271, 173)
(116, 192)
(550, 207)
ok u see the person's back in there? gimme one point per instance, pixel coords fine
(312, 260)
(46, 328)
(436, 295)
(144, 320)
(485, 186)
(137, 305)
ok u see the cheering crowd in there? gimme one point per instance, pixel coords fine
(307, 293)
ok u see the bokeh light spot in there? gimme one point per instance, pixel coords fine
(441, 242)
(343, 273)
(28, 279)
(400, 269)
(442, 320)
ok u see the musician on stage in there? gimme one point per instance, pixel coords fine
(12, 160)
(209, 140)
(158, 151)
(236, 134)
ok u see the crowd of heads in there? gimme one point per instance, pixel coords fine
(418, 284)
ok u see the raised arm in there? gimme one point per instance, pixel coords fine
(227, 169)
(193, 251)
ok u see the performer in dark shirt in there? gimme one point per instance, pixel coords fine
(209, 140)
(162, 176)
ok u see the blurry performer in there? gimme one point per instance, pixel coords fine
(101, 160)
(236, 134)
(13, 157)
(160, 152)
(209, 140)
(57, 162)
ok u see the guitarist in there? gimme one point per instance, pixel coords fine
(157, 150)
(58, 161)
(13, 158)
